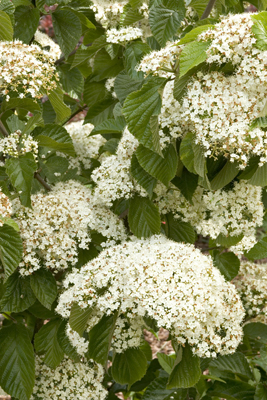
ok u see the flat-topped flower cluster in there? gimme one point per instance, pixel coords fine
(172, 283)
(17, 144)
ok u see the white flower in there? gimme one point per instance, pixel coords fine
(45, 41)
(123, 35)
(172, 283)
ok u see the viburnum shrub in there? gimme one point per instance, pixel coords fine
(133, 175)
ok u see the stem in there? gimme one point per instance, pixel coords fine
(42, 181)
(212, 248)
(208, 9)
(9, 317)
(3, 129)
(75, 113)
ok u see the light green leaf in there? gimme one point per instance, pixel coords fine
(199, 6)
(46, 343)
(26, 23)
(110, 126)
(21, 171)
(167, 362)
(144, 217)
(17, 362)
(129, 367)
(259, 178)
(142, 177)
(235, 363)
(6, 29)
(10, 249)
(138, 109)
(259, 28)
(100, 337)
(165, 18)
(162, 168)
(68, 30)
(18, 295)
(44, 287)
(65, 343)
(228, 264)
(192, 55)
(187, 372)
(23, 104)
(260, 122)
(193, 34)
(78, 318)
(8, 7)
(56, 137)
(62, 111)
(258, 251)
(177, 230)
(225, 176)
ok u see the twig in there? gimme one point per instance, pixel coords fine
(9, 317)
(80, 109)
(42, 181)
(208, 9)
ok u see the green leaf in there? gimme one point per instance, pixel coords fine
(232, 390)
(44, 287)
(177, 230)
(105, 67)
(26, 23)
(199, 6)
(157, 391)
(56, 137)
(7, 7)
(68, 30)
(235, 363)
(138, 109)
(110, 126)
(228, 241)
(18, 294)
(20, 104)
(259, 28)
(261, 392)
(187, 152)
(46, 343)
(100, 337)
(228, 264)
(133, 54)
(199, 160)
(187, 372)
(187, 183)
(258, 251)
(144, 217)
(71, 80)
(260, 122)
(259, 178)
(165, 18)
(33, 122)
(180, 85)
(6, 29)
(163, 169)
(192, 55)
(256, 331)
(82, 55)
(129, 367)
(56, 99)
(78, 318)
(124, 85)
(193, 34)
(142, 177)
(94, 92)
(39, 311)
(54, 164)
(17, 362)
(10, 249)
(65, 343)
(21, 171)
(166, 362)
(225, 176)
(100, 111)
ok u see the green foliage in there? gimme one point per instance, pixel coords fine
(44, 287)
(228, 264)
(129, 366)
(10, 249)
(144, 217)
(6, 29)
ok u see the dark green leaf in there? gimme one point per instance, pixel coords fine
(124, 85)
(18, 294)
(56, 99)
(26, 23)
(187, 152)
(100, 337)
(110, 126)
(192, 55)
(259, 178)
(10, 249)
(6, 29)
(44, 287)
(228, 264)
(142, 177)
(187, 183)
(138, 109)
(56, 137)
(20, 104)
(16, 361)
(21, 171)
(258, 251)
(78, 318)
(94, 92)
(225, 176)
(235, 363)
(163, 169)
(256, 331)
(82, 55)
(65, 343)
(187, 372)
(177, 230)
(46, 343)
(261, 392)
(100, 111)
(105, 67)
(180, 86)
(165, 18)
(133, 54)
(157, 391)
(71, 81)
(7, 7)
(144, 217)
(233, 389)
(227, 241)
(68, 30)
(167, 362)
(39, 311)
(129, 367)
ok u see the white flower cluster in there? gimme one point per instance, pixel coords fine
(5, 208)
(17, 144)
(228, 212)
(58, 225)
(123, 35)
(109, 85)
(251, 284)
(86, 146)
(173, 283)
(69, 381)
(112, 178)
(80, 344)
(26, 70)
(45, 41)
(219, 108)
